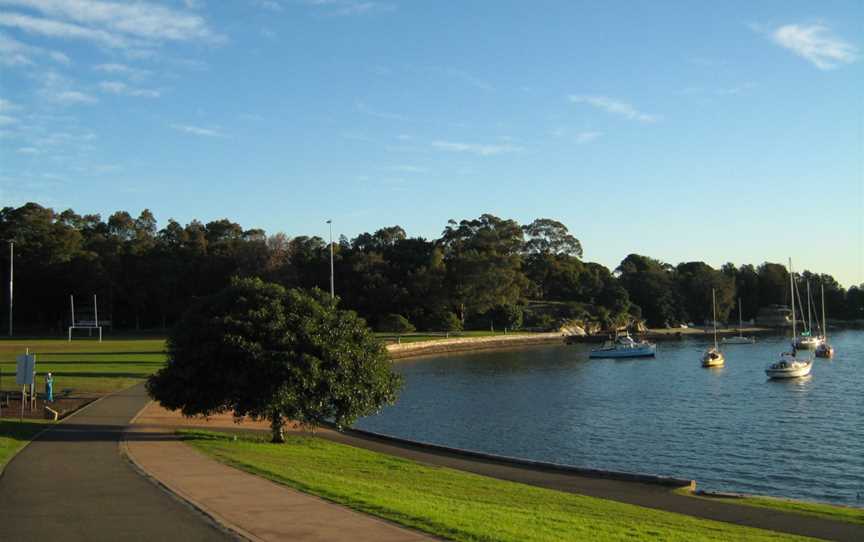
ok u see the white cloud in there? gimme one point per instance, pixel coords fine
(476, 148)
(115, 24)
(122, 69)
(615, 107)
(816, 44)
(6, 120)
(586, 137)
(270, 5)
(60, 58)
(28, 150)
(15, 53)
(121, 88)
(406, 168)
(6, 105)
(71, 97)
(197, 130)
(345, 8)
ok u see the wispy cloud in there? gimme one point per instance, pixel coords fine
(586, 137)
(122, 69)
(197, 130)
(27, 150)
(15, 53)
(479, 149)
(72, 97)
(816, 44)
(112, 24)
(345, 8)
(615, 107)
(403, 168)
(6, 105)
(121, 88)
(6, 120)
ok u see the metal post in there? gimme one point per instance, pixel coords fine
(11, 272)
(332, 288)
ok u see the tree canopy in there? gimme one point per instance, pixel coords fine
(256, 349)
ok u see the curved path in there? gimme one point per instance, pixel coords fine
(72, 484)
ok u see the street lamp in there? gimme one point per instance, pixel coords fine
(11, 269)
(332, 289)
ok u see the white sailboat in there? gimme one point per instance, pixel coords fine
(807, 341)
(789, 366)
(824, 350)
(740, 339)
(713, 357)
(625, 347)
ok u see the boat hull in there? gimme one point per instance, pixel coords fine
(789, 372)
(738, 340)
(637, 352)
(806, 343)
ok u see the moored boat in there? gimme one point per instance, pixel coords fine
(740, 338)
(824, 350)
(713, 357)
(788, 366)
(625, 346)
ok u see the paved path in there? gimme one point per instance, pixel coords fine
(72, 484)
(647, 495)
(253, 506)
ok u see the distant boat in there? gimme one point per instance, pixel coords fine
(625, 347)
(824, 350)
(740, 339)
(807, 341)
(713, 357)
(788, 366)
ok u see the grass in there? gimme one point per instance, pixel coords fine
(454, 504)
(14, 435)
(827, 511)
(434, 336)
(85, 366)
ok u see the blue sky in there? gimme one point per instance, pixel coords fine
(729, 131)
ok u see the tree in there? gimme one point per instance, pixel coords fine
(547, 236)
(396, 323)
(259, 350)
(650, 285)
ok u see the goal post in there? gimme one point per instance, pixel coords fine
(90, 321)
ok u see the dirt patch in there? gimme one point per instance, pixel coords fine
(64, 406)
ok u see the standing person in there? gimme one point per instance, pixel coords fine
(49, 388)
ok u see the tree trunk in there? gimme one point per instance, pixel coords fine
(277, 426)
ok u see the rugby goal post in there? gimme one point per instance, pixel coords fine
(88, 323)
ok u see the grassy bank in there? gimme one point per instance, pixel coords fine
(14, 435)
(454, 504)
(827, 511)
(85, 366)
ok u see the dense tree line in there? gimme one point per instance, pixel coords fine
(481, 272)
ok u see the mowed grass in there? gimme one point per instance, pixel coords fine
(14, 435)
(85, 366)
(827, 511)
(454, 504)
(434, 336)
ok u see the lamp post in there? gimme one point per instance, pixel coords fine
(332, 289)
(11, 270)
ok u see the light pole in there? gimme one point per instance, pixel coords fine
(332, 289)
(11, 270)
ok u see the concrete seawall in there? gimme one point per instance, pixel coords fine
(465, 344)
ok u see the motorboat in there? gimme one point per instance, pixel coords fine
(788, 366)
(625, 346)
(713, 357)
(740, 338)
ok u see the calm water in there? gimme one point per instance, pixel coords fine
(731, 429)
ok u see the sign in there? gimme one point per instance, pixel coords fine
(25, 369)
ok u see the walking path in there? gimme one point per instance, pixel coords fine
(72, 484)
(652, 496)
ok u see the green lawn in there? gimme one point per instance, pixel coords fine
(14, 435)
(454, 504)
(85, 366)
(827, 511)
(434, 336)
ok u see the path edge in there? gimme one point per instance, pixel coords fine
(176, 493)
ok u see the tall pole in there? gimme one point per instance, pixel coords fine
(332, 287)
(11, 272)
(792, 291)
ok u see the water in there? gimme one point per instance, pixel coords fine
(730, 429)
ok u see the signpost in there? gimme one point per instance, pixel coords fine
(25, 375)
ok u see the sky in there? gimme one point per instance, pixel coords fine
(722, 131)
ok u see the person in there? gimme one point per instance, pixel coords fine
(49, 388)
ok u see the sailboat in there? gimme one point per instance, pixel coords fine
(824, 350)
(740, 339)
(713, 357)
(807, 341)
(789, 366)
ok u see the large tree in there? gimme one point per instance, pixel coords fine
(256, 349)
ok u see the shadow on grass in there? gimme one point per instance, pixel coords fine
(121, 353)
(91, 362)
(20, 431)
(87, 374)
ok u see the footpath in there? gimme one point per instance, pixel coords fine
(155, 418)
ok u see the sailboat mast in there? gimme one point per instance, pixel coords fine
(714, 307)
(740, 320)
(792, 291)
(809, 319)
(824, 320)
